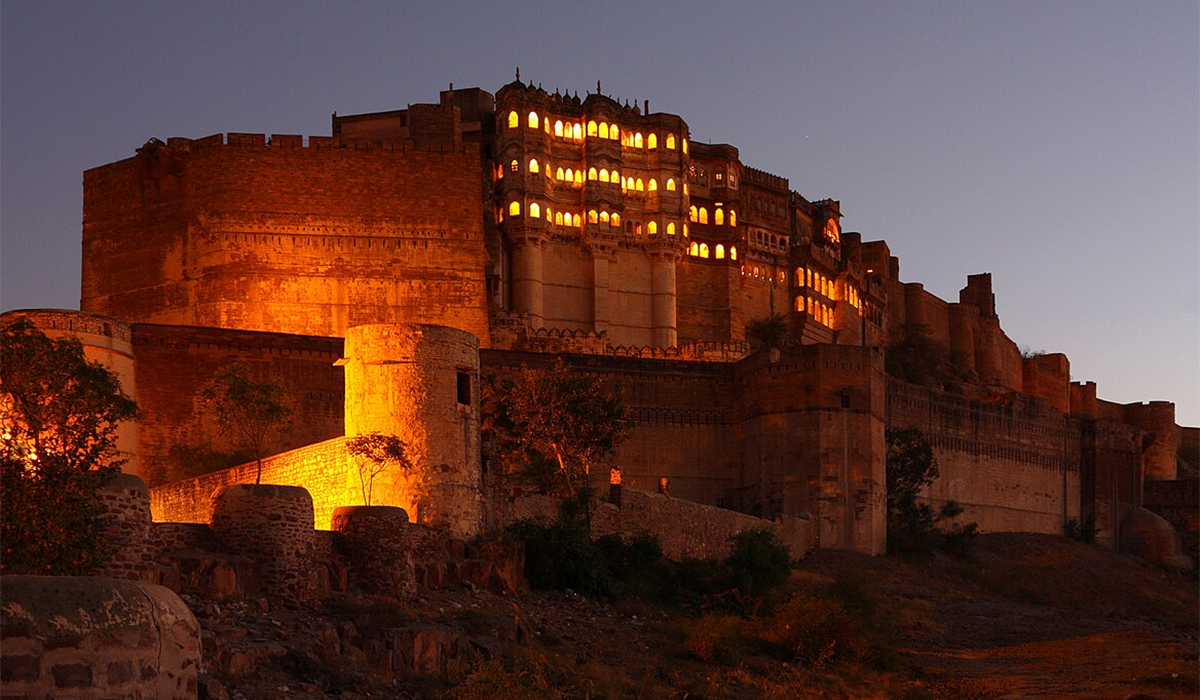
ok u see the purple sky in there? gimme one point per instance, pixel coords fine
(1053, 144)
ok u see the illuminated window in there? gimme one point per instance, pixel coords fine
(513, 120)
(652, 227)
(593, 217)
(703, 215)
(577, 132)
(546, 124)
(692, 213)
(535, 211)
(603, 130)
(719, 217)
(616, 219)
(695, 249)
(533, 120)
(624, 184)
(719, 176)
(591, 128)
(604, 217)
(670, 184)
(685, 189)
(756, 270)
(733, 252)
(577, 221)
(652, 141)
(637, 140)
(533, 165)
(720, 252)
(704, 253)
(558, 128)
(514, 165)
(685, 230)
(500, 215)
(603, 174)
(614, 133)
(558, 218)
(808, 274)
(799, 277)
(671, 141)
(800, 304)
(558, 174)
(671, 228)
(592, 175)
(570, 175)
(612, 177)
(653, 185)
(732, 218)
(685, 146)
(637, 228)
(578, 177)
(641, 186)
(514, 209)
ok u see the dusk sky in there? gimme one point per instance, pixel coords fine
(1053, 144)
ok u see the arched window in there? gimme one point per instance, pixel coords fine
(570, 175)
(719, 217)
(612, 177)
(704, 250)
(577, 132)
(533, 120)
(799, 277)
(670, 184)
(653, 185)
(533, 165)
(800, 304)
(514, 165)
(535, 211)
(604, 217)
(671, 228)
(641, 186)
(732, 217)
(578, 177)
(652, 227)
(756, 270)
(692, 213)
(637, 140)
(616, 219)
(685, 231)
(514, 209)
(558, 128)
(685, 146)
(652, 141)
(614, 133)
(592, 175)
(513, 120)
(546, 124)
(558, 218)
(591, 128)
(720, 252)
(558, 174)
(671, 141)
(593, 217)
(695, 249)
(603, 130)
(603, 174)
(576, 221)
(703, 215)
(733, 252)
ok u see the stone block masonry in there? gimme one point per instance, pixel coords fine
(273, 525)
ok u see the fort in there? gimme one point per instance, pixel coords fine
(378, 273)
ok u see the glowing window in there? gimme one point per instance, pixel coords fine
(592, 175)
(732, 218)
(637, 228)
(558, 174)
(535, 211)
(653, 185)
(546, 124)
(685, 189)
(616, 219)
(579, 177)
(593, 216)
(514, 165)
(808, 274)
(720, 252)
(799, 277)
(671, 228)
(800, 304)
(613, 177)
(577, 221)
(692, 213)
(533, 165)
(591, 128)
(603, 174)
(671, 141)
(733, 252)
(570, 175)
(652, 227)
(703, 215)
(558, 128)
(637, 140)
(670, 184)
(577, 132)
(603, 130)
(533, 120)
(719, 217)
(695, 249)
(558, 218)
(652, 141)
(513, 120)
(614, 133)
(685, 231)
(500, 214)
(685, 146)
(704, 252)
(641, 186)
(514, 209)
(756, 270)
(604, 217)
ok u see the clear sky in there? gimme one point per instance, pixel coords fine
(1054, 144)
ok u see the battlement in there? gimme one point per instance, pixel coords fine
(316, 143)
(762, 178)
(72, 322)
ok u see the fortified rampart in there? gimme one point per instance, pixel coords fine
(244, 233)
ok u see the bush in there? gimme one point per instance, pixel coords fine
(759, 562)
(815, 630)
(1084, 531)
(719, 638)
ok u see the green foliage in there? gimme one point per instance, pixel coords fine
(913, 525)
(59, 415)
(758, 564)
(247, 410)
(553, 415)
(375, 453)
(766, 332)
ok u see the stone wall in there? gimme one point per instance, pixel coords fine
(93, 638)
(1177, 502)
(127, 528)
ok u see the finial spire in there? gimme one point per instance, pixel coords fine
(518, 74)
(597, 87)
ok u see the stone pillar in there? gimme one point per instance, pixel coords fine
(663, 299)
(421, 384)
(126, 527)
(1161, 445)
(273, 526)
(377, 546)
(527, 280)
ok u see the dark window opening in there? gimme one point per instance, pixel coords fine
(464, 388)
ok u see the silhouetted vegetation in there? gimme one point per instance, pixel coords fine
(919, 359)
(250, 411)
(375, 453)
(912, 525)
(767, 332)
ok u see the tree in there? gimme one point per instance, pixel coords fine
(556, 414)
(912, 525)
(58, 420)
(250, 411)
(374, 453)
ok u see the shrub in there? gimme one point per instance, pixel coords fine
(719, 638)
(1084, 531)
(759, 562)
